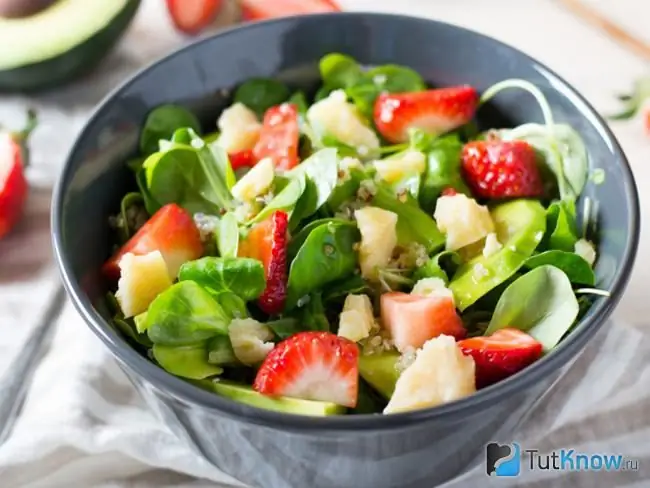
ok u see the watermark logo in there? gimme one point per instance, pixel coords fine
(505, 460)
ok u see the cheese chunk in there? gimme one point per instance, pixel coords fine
(250, 340)
(378, 229)
(240, 129)
(356, 320)
(462, 220)
(142, 279)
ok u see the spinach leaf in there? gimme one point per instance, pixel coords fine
(185, 361)
(220, 352)
(320, 172)
(285, 327)
(574, 266)
(396, 79)
(228, 236)
(233, 305)
(339, 71)
(369, 401)
(363, 95)
(327, 255)
(541, 303)
(125, 326)
(242, 276)
(435, 267)
(355, 284)
(285, 200)
(150, 203)
(300, 101)
(312, 314)
(443, 171)
(299, 239)
(572, 162)
(413, 223)
(346, 190)
(260, 94)
(162, 122)
(561, 227)
(132, 215)
(185, 314)
(135, 164)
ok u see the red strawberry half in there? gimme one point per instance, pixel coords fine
(502, 169)
(279, 136)
(192, 16)
(433, 111)
(267, 242)
(313, 366)
(172, 231)
(242, 159)
(500, 355)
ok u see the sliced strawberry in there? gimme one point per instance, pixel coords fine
(502, 169)
(433, 111)
(192, 16)
(267, 242)
(172, 231)
(279, 136)
(413, 319)
(242, 159)
(500, 355)
(13, 184)
(449, 192)
(267, 9)
(313, 366)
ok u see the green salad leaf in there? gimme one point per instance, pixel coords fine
(561, 227)
(242, 276)
(541, 303)
(442, 265)
(574, 266)
(312, 314)
(228, 236)
(260, 94)
(185, 314)
(285, 200)
(285, 327)
(326, 255)
(186, 361)
(162, 122)
(220, 352)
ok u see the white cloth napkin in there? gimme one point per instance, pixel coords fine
(83, 425)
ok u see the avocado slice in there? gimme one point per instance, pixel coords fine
(60, 42)
(520, 226)
(245, 394)
(380, 371)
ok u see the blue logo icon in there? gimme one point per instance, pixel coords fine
(503, 460)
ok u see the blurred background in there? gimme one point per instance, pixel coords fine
(600, 46)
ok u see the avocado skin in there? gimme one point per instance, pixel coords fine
(54, 72)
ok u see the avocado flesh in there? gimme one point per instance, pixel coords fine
(245, 394)
(61, 42)
(380, 372)
(520, 226)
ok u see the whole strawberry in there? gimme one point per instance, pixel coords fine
(501, 169)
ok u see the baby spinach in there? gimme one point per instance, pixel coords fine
(320, 172)
(185, 314)
(260, 94)
(162, 122)
(541, 303)
(185, 361)
(233, 305)
(228, 236)
(339, 71)
(125, 326)
(574, 266)
(299, 238)
(327, 255)
(300, 101)
(220, 352)
(346, 190)
(150, 203)
(442, 265)
(561, 227)
(443, 171)
(285, 200)
(413, 223)
(312, 314)
(132, 215)
(242, 276)
(395, 79)
(355, 284)
(285, 327)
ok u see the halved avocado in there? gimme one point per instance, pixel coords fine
(245, 394)
(380, 371)
(61, 42)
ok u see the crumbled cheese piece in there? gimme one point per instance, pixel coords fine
(367, 190)
(378, 230)
(414, 255)
(395, 169)
(356, 320)
(432, 287)
(345, 165)
(406, 359)
(250, 340)
(340, 119)
(256, 182)
(586, 250)
(240, 129)
(440, 373)
(207, 225)
(142, 279)
(492, 245)
(463, 220)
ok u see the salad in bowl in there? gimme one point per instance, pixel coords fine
(363, 249)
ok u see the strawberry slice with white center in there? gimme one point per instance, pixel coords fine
(312, 366)
(172, 231)
(279, 137)
(433, 111)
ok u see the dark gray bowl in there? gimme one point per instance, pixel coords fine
(273, 450)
